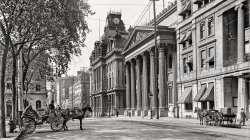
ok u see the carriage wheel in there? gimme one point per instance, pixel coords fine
(27, 125)
(231, 121)
(206, 120)
(57, 124)
(217, 120)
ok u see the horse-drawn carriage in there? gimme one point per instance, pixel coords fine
(30, 118)
(224, 117)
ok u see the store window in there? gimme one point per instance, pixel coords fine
(188, 106)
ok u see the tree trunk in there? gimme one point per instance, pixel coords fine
(2, 90)
(14, 93)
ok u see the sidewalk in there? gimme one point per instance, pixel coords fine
(11, 136)
(242, 133)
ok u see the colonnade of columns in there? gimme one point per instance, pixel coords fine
(242, 95)
(140, 82)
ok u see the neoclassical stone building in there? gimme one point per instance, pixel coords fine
(213, 55)
(107, 68)
(142, 63)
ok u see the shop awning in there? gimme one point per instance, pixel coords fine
(182, 41)
(200, 93)
(198, 1)
(186, 97)
(185, 8)
(188, 35)
(209, 94)
(210, 59)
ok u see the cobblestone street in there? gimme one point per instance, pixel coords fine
(126, 129)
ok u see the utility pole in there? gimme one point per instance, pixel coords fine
(156, 74)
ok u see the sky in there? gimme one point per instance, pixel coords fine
(131, 11)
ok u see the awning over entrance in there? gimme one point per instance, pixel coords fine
(188, 35)
(200, 93)
(182, 41)
(209, 94)
(186, 97)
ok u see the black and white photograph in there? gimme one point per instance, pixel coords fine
(124, 69)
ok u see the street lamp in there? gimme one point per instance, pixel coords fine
(156, 80)
(150, 97)
(109, 105)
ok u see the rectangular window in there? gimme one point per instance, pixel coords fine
(190, 63)
(235, 101)
(9, 86)
(170, 61)
(211, 51)
(247, 47)
(188, 106)
(202, 30)
(203, 58)
(38, 87)
(184, 65)
(210, 26)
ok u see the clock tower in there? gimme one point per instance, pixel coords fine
(113, 21)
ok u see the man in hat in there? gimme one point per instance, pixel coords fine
(242, 116)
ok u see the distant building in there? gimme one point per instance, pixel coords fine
(73, 91)
(107, 68)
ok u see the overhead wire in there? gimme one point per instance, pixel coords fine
(142, 14)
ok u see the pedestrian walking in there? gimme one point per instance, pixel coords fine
(242, 117)
(117, 113)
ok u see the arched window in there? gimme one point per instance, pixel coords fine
(38, 104)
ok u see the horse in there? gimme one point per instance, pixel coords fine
(74, 113)
(201, 113)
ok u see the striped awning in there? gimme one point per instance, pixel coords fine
(200, 93)
(209, 94)
(210, 59)
(186, 8)
(188, 35)
(186, 97)
(182, 41)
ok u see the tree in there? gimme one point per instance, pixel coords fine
(57, 27)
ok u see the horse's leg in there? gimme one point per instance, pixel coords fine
(80, 123)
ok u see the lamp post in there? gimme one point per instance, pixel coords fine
(156, 75)
(150, 97)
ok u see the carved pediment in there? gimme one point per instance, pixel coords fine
(138, 36)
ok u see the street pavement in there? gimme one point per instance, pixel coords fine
(130, 128)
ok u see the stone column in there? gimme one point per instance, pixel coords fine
(139, 93)
(240, 33)
(128, 88)
(175, 93)
(145, 85)
(242, 96)
(133, 87)
(162, 85)
(152, 81)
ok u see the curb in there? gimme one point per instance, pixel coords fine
(207, 131)
(19, 136)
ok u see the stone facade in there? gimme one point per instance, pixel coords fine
(107, 68)
(213, 55)
(150, 77)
